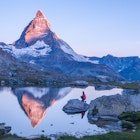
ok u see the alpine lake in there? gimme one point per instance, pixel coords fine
(36, 111)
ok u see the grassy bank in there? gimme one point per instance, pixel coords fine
(123, 85)
(109, 136)
(129, 135)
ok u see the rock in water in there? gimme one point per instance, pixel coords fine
(113, 106)
(75, 106)
(4, 129)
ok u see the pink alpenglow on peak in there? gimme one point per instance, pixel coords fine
(40, 14)
(37, 28)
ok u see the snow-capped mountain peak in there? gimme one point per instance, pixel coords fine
(41, 48)
(37, 40)
(38, 27)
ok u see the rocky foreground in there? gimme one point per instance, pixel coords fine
(106, 107)
(114, 112)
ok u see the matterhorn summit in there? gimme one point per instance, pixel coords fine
(38, 27)
(37, 39)
(41, 48)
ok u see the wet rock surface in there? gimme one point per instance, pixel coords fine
(4, 129)
(75, 106)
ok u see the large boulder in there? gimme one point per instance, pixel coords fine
(110, 107)
(75, 106)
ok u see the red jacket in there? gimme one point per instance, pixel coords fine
(84, 96)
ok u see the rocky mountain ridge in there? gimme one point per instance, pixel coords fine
(127, 67)
(15, 72)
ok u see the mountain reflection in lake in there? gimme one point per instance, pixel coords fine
(33, 111)
(35, 101)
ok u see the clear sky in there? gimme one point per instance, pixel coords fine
(90, 27)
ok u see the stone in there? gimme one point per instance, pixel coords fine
(4, 129)
(2, 83)
(75, 106)
(108, 105)
(114, 105)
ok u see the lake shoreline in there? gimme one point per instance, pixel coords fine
(113, 135)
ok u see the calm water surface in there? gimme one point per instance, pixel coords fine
(33, 111)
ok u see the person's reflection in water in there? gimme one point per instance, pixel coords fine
(83, 114)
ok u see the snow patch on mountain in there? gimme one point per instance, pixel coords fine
(38, 49)
(95, 61)
(75, 56)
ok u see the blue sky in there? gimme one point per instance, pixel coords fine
(90, 27)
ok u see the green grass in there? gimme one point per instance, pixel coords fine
(123, 85)
(128, 125)
(67, 138)
(130, 116)
(42, 138)
(94, 111)
(110, 136)
(129, 135)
